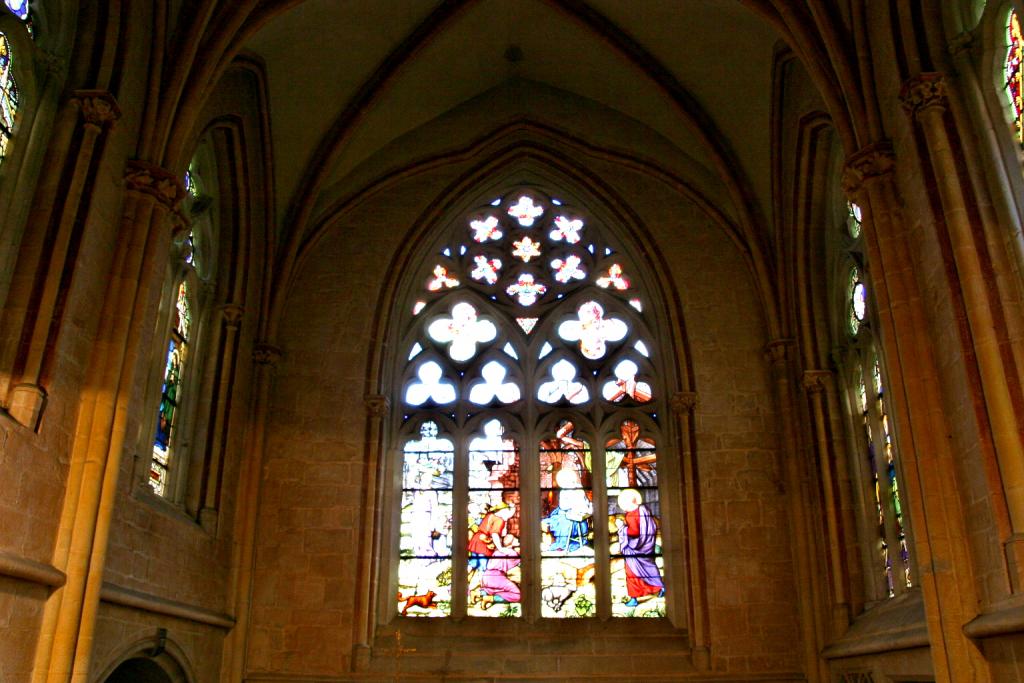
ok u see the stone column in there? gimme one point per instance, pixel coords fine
(936, 519)
(778, 353)
(220, 423)
(370, 545)
(265, 356)
(98, 111)
(683, 405)
(924, 98)
(814, 384)
(70, 614)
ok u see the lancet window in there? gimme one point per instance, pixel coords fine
(1012, 67)
(888, 561)
(8, 96)
(528, 437)
(178, 366)
(170, 393)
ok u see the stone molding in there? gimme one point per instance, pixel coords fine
(813, 381)
(97, 107)
(683, 402)
(923, 92)
(377, 405)
(266, 354)
(159, 183)
(875, 161)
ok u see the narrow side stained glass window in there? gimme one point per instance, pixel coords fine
(1014, 57)
(170, 395)
(8, 96)
(887, 557)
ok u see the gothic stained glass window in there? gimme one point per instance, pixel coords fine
(890, 478)
(888, 560)
(876, 484)
(170, 394)
(1014, 56)
(8, 96)
(527, 353)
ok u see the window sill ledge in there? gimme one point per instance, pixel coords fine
(1001, 619)
(898, 624)
(144, 495)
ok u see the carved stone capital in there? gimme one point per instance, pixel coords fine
(923, 92)
(874, 161)
(266, 354)
(232, 314)
(377, 405)
(777, 350)
(164, 186)
(813, 381)
(98, 107)
(683, 402)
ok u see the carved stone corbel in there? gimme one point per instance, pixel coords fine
(266, 354)
(961, 42)
(683, 402)
(232, 314)
(777, 350)
(813, 381)
(149, 179)
(874, 161)
(377, 405)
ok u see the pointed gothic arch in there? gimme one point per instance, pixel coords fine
(538, 172)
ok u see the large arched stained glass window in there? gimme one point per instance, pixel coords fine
(1014, 57)
(8, 96)
(529, 428)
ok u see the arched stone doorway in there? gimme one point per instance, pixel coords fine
(139, 670)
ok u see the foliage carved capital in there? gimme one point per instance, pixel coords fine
(877, 160)
(149, 179)
(923, 92)
(377, 405)
(97, 107)
(266, 354)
